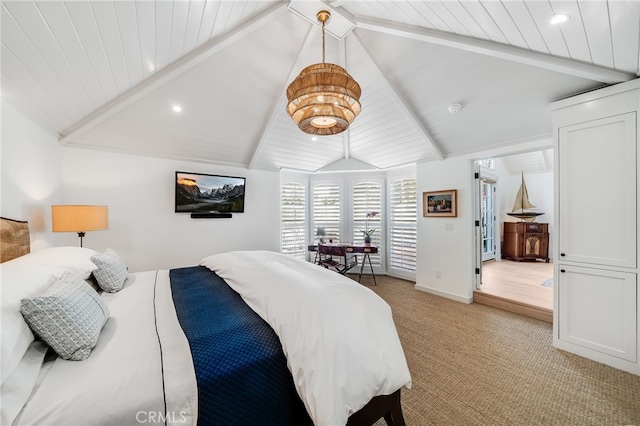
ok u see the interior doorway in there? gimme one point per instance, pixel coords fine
(524, 287)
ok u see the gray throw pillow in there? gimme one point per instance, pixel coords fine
(68, 316)
(111, 273)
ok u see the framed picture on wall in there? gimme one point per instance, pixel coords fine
(440, 203)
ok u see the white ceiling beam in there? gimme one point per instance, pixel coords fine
(497, 50)
(403, 104)
(275, 110)
(171, 71)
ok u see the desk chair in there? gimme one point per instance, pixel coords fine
(336, 257)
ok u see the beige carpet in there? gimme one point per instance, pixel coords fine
(477, 365)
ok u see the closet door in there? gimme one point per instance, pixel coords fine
(597, 192)
(598, 310)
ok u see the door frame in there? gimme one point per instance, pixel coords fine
(478, 173)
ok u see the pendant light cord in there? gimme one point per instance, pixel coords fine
(323, 22)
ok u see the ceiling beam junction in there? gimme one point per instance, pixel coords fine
(400, 100)
(171, 71)
(497, 50)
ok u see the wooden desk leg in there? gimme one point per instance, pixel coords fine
(371, 267)
(364, 260)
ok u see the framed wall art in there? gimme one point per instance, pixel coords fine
(440, 203)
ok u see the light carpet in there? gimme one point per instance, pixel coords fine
(477, 365)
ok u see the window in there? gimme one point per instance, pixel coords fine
(402, 227)
(367, 198)
(488, 163)
(292, 217)
(326, 210)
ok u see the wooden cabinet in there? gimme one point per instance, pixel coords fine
(596, 295)
(525, 241)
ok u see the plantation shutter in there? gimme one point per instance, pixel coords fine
(367, 198)
(402, 226)
(292, 220)
(326, 210)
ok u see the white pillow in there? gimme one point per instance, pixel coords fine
(78, 258)
(111, 273)
(19, 280)
(68, 316)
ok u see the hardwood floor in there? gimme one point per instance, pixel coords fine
(516, 287)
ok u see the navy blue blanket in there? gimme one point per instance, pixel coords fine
(240, 368)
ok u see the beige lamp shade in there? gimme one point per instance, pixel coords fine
(78, 218)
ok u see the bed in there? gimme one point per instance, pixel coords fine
(242, 338)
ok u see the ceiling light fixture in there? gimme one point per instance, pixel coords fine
(324, 99)
(177, 108)
(558, 19)
(455, 108)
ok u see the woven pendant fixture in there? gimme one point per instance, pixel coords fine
(324, 99)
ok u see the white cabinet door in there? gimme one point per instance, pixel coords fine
(597, 310)
(597, 191)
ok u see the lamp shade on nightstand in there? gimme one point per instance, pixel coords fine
(79, 218)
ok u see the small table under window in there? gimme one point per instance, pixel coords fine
(364, 249)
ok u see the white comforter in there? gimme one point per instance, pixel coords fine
(121, 383)
(339, 337)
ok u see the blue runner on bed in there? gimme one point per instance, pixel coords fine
(240, 368)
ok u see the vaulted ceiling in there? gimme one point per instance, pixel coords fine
(106, 74)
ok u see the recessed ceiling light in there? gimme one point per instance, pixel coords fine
(558, 19)
(315, 138)
(177, 108)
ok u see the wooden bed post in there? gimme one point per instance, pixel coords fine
(387, 406)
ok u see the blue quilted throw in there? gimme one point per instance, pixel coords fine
(240, 368)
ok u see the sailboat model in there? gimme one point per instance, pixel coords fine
(522, 207)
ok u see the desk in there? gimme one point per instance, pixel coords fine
(365, 249)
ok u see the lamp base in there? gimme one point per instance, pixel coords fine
(81, 235)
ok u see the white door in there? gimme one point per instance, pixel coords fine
(598, 310)
(488, 218)
(597, 185)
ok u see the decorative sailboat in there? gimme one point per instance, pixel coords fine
(522, 207)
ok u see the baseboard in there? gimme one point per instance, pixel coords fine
(441, 293)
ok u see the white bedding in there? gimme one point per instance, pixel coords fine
(341, 344)
(121, 382)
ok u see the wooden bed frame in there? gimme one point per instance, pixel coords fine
(387, 406)
(15, 242)
(14, 239)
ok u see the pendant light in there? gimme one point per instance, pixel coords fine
(324, 99)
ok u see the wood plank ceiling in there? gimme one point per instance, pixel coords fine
(106, 74)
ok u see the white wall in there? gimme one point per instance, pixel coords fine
(143, 227)
(30, 158)
(446, 244)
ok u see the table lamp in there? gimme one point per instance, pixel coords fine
(79, 218)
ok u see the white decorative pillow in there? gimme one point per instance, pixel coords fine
(67, 257)
(68, 316)
(111, 273)
(19, 280)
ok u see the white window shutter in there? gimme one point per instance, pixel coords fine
(402, 226)
(292, 220)
(367, 198)
(326, 210)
